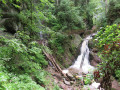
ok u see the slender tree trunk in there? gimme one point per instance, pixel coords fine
(57, 2)
(106, 6)
(31, 10)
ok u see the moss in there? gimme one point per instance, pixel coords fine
(76, 41)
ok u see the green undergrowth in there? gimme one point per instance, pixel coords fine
(109, 51)
(21, 66)
(63, 48)
(11, 81)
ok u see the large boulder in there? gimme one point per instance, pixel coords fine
(76, 40)
(66, 82)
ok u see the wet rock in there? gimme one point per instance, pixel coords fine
(76, 41)
(93, 63)
(70, 76)
(66, 82)
(89, 87)
(94, 50)
(91, 44)
(72, 82)
(95, 57)
(75, 71)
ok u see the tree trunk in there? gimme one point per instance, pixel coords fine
(106, 6)
(57, 2)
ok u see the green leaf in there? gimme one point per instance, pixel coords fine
(17, 6)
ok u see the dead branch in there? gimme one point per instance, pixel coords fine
(52, 60)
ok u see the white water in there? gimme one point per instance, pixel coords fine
(84, 58)
(82, 61)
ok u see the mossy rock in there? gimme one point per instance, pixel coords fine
(76, 41)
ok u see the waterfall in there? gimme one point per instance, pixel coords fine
(82, 61)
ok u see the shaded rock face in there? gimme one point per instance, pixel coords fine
(94, 58)
(71, 51)
(76, 41)
(10, 18)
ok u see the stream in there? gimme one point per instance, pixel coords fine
(82, 63)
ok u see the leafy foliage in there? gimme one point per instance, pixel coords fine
(99, 12)
(113, 12)
(29, 17)
(117, 73)
(57, 42)
(19, 59)
(12, 81)
(88, 79)
(86, 9)
(109, 46)
(66, 16)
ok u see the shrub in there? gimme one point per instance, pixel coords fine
(113, 12)
(18, 60)
(57, 42)
(109, 47)
(67, 16)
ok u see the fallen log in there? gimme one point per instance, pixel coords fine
(52, 60)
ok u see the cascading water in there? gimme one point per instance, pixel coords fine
(83, 59)
(82, 63)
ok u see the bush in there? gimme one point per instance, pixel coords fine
(11, 81)
(67, 16)
(117, 74)
(57, 42)
(108, 44)
(113, 12)
(18, 60)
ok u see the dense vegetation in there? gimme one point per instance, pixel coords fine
(29, 22)
(109, 46)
